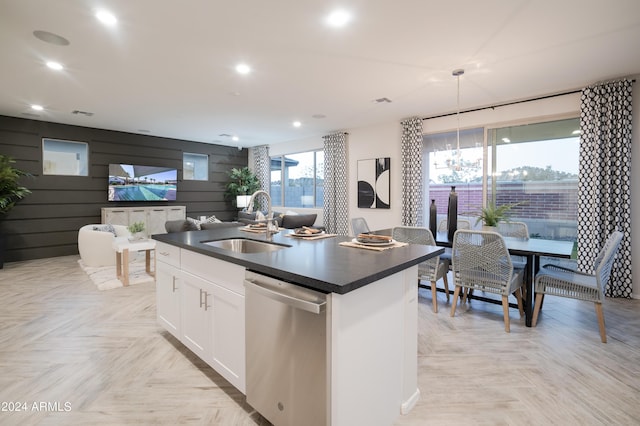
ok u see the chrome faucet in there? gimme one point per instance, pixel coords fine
(272, 228)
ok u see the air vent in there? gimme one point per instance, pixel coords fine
(224, 135)
(85, 113)
(383, 100)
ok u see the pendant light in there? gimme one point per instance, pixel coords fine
(457, 73)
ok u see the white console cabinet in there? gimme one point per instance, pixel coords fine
(200, 300)
(153, 217)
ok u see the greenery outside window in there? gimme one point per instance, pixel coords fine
(65, 158)
(297, 180)
(195, 166)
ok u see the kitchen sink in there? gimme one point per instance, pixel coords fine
(243, 245)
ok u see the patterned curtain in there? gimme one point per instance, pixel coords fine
(262, 169)
(336, 210)
(412, 191)
(604, 178)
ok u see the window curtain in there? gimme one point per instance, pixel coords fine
(336, 210)
(262, 170)
(412, 201)
(604, 178)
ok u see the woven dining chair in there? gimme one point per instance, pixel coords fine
(359, 226)
(481, 262)
(560, 281)
(432, 270)
(442, 227)
(515, 230)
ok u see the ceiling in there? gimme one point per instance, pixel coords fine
(167, 68)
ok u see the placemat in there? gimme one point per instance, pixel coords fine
(360, 246)
(258, 230)
(315, 237)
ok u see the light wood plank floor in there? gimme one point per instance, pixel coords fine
(64, 342)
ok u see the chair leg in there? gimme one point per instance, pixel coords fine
(445, 280)
(434, 296)
(603, 332)
(505, 310)
(519, 299)
(536, 309)
(465, 293)
(456, 294)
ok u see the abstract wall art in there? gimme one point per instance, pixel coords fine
(374, 183)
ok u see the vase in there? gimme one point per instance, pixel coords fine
(433, 218)
(452, 213)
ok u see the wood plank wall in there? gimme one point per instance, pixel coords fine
(46, 223)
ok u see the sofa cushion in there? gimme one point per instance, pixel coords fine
(180, 225)
(298, 220)
(218, 225)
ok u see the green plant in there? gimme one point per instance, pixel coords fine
(10, 190)
(241, 182)
(491, 215)
(136, 227)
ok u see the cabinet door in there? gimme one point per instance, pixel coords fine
(156, 219)
(116, 217)
(227, 336)
(176, 213)
(168, 297)
(195, 306)
(139, 215)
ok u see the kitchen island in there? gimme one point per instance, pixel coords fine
(371, 315)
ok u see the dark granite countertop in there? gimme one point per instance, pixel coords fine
(321, 265)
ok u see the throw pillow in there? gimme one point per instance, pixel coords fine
(211, 219)
(194, 223)
(106, 228)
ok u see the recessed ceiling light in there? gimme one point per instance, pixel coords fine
(235, 138)
(339, 18)
(243, 69)
(37, 107)
(297, 124)
(55, 65)
(506, 140)
(106, 18)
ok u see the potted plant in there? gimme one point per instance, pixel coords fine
(491, 215)
(10, 192)
(242, 181)
(137, 231)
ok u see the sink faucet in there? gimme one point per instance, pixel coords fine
(271, 227)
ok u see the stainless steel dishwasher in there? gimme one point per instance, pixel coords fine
(286, 351)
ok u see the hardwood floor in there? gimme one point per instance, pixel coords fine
(84, 356)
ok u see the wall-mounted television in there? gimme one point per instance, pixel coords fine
(129, 182)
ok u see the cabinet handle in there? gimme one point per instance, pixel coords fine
(206, 300)
(201, 302)
(164, 253)
(174, 285)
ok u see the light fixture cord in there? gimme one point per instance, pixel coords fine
(458, 123)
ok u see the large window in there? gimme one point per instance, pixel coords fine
(297, 180)
(195, 166)
(534, 165)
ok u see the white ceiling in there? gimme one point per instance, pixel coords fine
(167, 67)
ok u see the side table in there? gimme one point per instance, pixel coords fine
(123, 246)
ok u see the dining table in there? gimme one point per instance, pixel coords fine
(532, 249)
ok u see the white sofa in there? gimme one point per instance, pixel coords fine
(96, 247)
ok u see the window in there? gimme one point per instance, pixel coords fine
(195, 166)
(65, 158)
(535, 165)
(297, 180)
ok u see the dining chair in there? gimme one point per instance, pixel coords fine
(432, 270)
(515, 230)
(562, 281)
(481, 262)
(359, 226)
(442, 227)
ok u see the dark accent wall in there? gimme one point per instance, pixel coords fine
(46, 223)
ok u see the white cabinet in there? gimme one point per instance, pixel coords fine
(200, 300)
(168, 286)
(153, 217)
(195, 306)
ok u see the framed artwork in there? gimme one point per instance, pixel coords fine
(374, 183)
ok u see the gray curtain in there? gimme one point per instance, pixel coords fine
(262, 169)
(336, 207)
(604, 178)
(412, 190)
